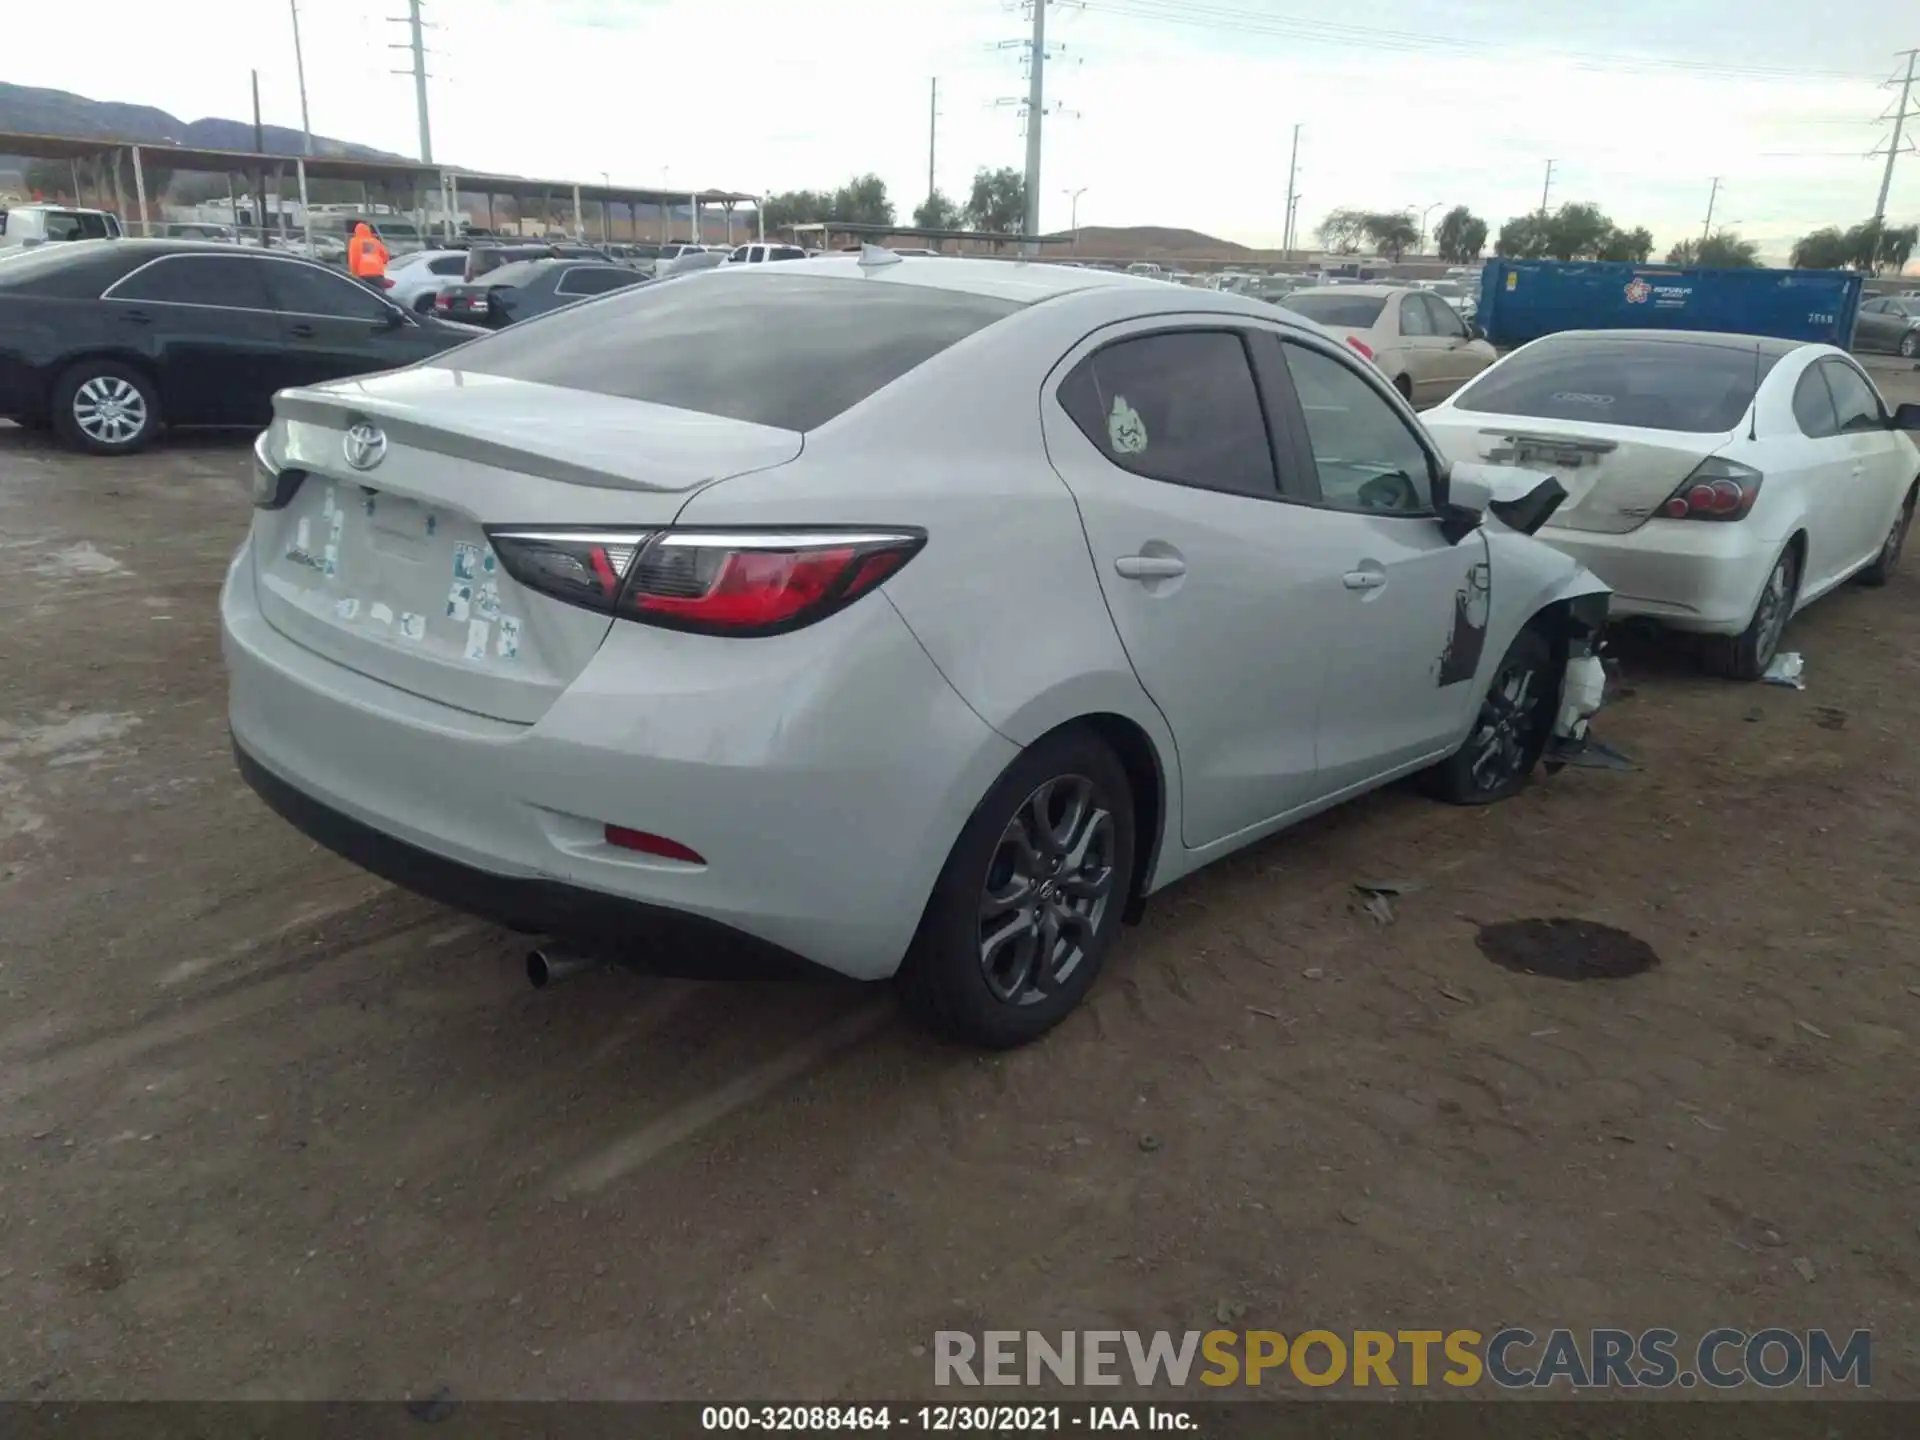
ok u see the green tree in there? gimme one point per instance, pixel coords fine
(998, 202)
(1634, 245)
(1342, 230)
(1391, 233)
(1461, 236)
(1522, 238)
(862, 201)
(797, 207)
(1724, 251)
(1577, 231)
(936, 212)
(1825, 249)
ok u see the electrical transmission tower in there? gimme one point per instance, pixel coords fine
(416, 42)
(1033, 106)
(1899, 116)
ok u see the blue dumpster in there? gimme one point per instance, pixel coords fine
(1521, 300)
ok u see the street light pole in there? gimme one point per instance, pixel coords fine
(1073, 209)
(1420, 245)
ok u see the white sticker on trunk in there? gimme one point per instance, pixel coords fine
(459, 600)
(412, 626)
(336, 525)
(486, 600)
(303, 534)
(330, 560)
(380, 613)
(346, 609)
(509, 637)
(466, 561)
(487, 563)
(477, 632)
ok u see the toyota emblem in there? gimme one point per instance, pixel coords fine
(365, 446)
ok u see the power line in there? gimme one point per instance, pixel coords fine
(1220, 17)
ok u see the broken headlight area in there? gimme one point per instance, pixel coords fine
(1583, 690)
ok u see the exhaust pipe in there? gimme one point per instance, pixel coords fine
(550, 964)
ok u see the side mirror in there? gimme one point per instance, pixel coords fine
(1907, 417)
(1459, 500)
(1474, 332)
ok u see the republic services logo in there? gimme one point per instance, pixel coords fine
(1638, 291)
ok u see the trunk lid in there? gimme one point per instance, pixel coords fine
(1615, 476)
(388, 570)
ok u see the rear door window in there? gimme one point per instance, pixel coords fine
(1854, 400)
(1653, 384)
(224, 282)
(310, 290)
(1813, 406)
(776, 348)
(586, 281)
(1179, 406)
(448, 265)
(1414, 319)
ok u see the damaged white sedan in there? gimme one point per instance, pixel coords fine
(894, 617)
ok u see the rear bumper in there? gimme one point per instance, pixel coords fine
(823, 777)
(1691, 575)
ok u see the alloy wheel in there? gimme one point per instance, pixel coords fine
(1771, 618)
(1897, 537)
(1503, 734)
(1047, 890)
(1910, 344)
(110, 410)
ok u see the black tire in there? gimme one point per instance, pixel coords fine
(1884, 564)
(1746, 656)
(1510, 730)
(1910, 344)
(952, 981)
(131, 391)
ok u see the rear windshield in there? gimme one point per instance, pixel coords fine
(493, 257)
(515, 272)
(1351, 312)
(79, 271)
(1654, 384)
(791, 351)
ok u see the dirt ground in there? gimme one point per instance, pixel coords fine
(272, 1129)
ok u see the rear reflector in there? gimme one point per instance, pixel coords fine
(643, 843)
(714, 582)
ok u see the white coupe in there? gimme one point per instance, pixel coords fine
(1718, 483)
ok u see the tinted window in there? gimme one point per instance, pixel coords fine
(739, 257)
(1657, 384)
(580, 281)
(1854, 400)
(448, 265)
(1876, 306)
(1366, 456)
(645, 252)
(1348, 312)
(309, 290)
(231, 282)
(1180, 406)
(770, 348)
(73, 225)
(1414, 319)
(788, 252)
(1813, 406)
(518, 272)
(63, 272)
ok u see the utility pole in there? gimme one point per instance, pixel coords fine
(1546, 190)
(933, 131)
(1293, 165)
(300, 71)
(416, 42)
(1706, 230)
(1073, 223)
(259, 169)
(1036, 109)
(1899, 117)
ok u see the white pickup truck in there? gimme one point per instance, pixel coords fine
(36, 224)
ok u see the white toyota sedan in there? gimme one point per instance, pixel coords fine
(915, 616)
(1718, 483)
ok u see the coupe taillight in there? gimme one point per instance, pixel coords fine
(714, 582)
(1717, 490)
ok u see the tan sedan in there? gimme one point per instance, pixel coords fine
(1421, 343)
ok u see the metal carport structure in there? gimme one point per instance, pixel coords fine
(866, 231)
(522, 191)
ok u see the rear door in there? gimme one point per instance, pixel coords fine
(332, 327)
(1422, 351)
(207, 319)
(1457, 359)
(1210, 577)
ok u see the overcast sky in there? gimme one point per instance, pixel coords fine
(1173, 112)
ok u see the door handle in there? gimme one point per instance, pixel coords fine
(1364, 579)
(1150, 567)
(136, 317)
(300, 332)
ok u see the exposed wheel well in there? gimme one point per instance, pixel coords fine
(113, 357)
(1403, 384)
(1148, 783)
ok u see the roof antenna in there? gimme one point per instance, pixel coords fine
(1753, 420)
(873, 256)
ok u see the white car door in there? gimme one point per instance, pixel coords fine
(1874, 478)
(1408, 641)
(1816, 466)
(1216, 588)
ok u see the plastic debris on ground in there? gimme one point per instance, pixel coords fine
(1592, 753)
(1786, 670)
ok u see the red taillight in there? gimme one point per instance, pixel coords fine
(442, 302)
(716, 582)
(644, 843)
(1366, 351)
(1717, 490)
